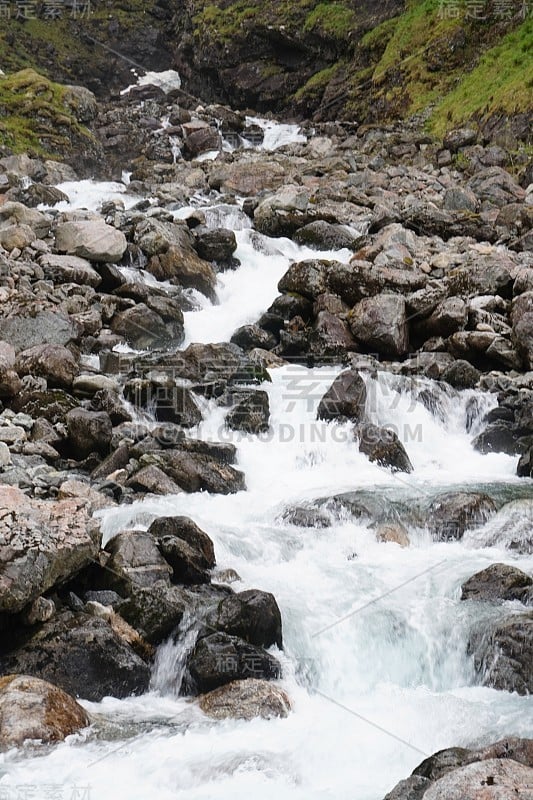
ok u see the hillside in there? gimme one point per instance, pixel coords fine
(370, 62)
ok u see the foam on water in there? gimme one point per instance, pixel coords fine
(375, 635)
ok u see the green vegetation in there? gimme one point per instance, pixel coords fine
(332, 19)
(501, 82)
(37, 116)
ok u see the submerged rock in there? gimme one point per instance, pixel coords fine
(345, 398)
(498, 582)
(451, 514)
(503, 653)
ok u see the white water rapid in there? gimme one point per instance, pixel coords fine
(374, 657)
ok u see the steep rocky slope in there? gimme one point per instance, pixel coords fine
(368, 62)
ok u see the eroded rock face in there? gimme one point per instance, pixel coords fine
(245, 700)
(34, 709)
(43, 543)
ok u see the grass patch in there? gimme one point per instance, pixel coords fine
(501, 82)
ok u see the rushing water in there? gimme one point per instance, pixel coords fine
(374, 635)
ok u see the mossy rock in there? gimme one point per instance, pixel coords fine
(42, 118)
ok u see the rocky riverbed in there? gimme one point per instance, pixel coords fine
(140, 365)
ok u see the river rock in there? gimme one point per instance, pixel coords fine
(135, 559)
(167, 401)
(144, 328)
(498, 582)
(306, 278)
(185, 547)
(34, 709)
(503, 653)
(88, 432)
(83, 656)
(345, 398)
(451, 514)
(380, 324)
(216, 245)
(25, 331)
(91, 239)
(252, 615)
(461, 375)
(195, 473)
(496, 186)
(51, 361)
(322, 235)
(219, 659)
(43, 544)
(18, 214)
(250, 336)
(522, 321)
(245, 700)
(251, 414)
(381, 445)
(69, 269)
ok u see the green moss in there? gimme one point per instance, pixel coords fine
(36, 115)
(501, 82)
(317, 83)
(333, 19)
(379, 37)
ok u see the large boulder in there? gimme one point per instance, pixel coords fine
(83, 655)
(69, 269)
(51, 361)
(91, 239)
(187, 549)
(218, 659)
(498, 582)
(27, 330)
(380, 324)
(252, 615)
(88, 432)
(345, 398)
(43, 544)
(382, 446)
(451, 773)
(306, 278)
(135, 559)
(245, 700)
(195, 472)
(10, 383)
(167, 401)
(452, 513)
(503, 653)
(143, 328)
(34, 709)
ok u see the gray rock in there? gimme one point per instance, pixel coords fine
(345, 398)
(496, 779)
(53, 362)
(503, 653)
(52, 327)
(459, 137)
(88, 432)
(143, 328)
(91, 239)
(522, 321)
(42, 544)
(380, 324)
(383, 447)
(135, 560)
(69, 269)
